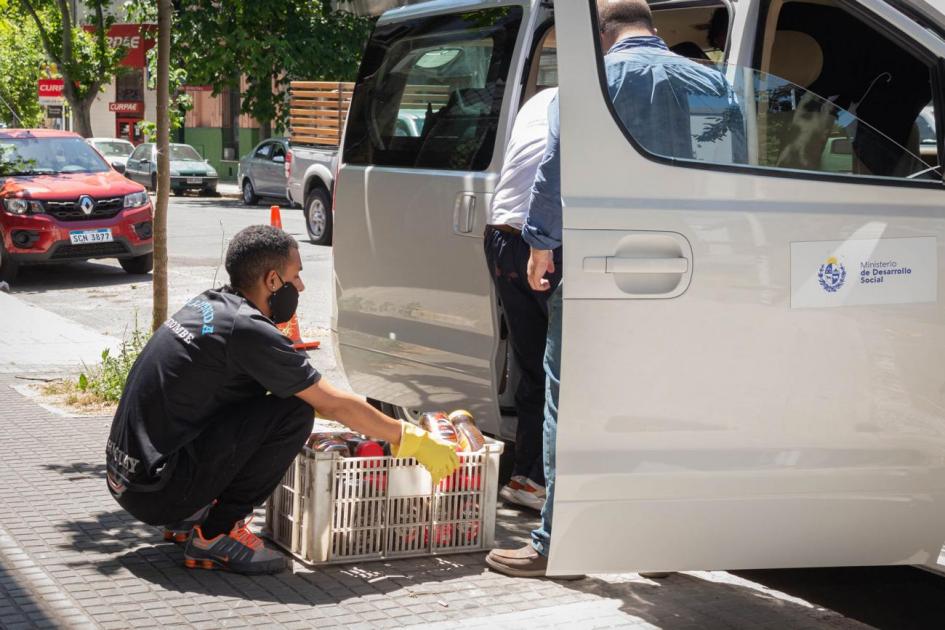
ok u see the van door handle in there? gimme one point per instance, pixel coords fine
(617, 264)
(464, 217)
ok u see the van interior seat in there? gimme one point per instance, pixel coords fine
(796, 57)
(453, 135)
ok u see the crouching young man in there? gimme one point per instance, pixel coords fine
(219, 403)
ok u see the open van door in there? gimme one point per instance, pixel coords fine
(753, 365)
(423, 148)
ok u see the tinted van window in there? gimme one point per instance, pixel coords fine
(430, 91)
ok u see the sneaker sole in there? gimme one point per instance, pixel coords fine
(213, 565)
(514, 500)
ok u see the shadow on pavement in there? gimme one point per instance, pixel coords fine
(883, 597)
(78, 471)
(75, 275)
(114, 544)
(226, 202)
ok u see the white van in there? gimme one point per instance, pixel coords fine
(754, 347)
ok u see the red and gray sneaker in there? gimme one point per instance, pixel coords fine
(179, 532)
(240, 551)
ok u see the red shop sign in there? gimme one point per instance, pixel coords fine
(137, 39)
(50, 88)
(126, 107)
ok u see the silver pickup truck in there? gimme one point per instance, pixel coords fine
(311, 175)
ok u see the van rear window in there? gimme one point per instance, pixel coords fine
(429, 92)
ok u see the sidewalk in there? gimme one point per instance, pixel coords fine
(69, 557)
(35, 339)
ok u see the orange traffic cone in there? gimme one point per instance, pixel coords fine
(291, 328)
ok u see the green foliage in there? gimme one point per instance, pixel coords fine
(107, 380)
(21, 62)
(85, 59)
(269, 43)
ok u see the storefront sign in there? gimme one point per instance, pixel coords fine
(54, 111)
(198, 88)
(127, 107)
(50, 91)
(137, 39)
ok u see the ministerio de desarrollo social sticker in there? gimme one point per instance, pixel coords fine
(861, 272)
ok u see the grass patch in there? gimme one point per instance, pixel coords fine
(98, 389)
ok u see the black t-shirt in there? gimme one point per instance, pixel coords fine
(217, 351)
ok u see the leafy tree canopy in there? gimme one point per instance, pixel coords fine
(269, 43)
(21, 64)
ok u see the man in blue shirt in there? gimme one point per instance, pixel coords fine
(653, 91)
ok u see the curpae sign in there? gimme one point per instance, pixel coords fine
(137, 39)
(50, 91)
(126, 107)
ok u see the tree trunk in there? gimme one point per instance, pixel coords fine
(159, 281)
(82, 117)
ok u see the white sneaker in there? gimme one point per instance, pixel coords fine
(528, 494)
(507, 493)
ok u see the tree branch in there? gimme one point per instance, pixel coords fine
(100, 40)
(43, 35)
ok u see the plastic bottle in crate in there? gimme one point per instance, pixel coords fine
(438, 423)
(468, 434)
(326, 442)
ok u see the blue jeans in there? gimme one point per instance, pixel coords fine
(541, 537)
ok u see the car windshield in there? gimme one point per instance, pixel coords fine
(45, 156)
(115, 148)
(184, 152)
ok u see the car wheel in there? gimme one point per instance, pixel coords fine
(318, 217)
(139, 265)
(178, 191)
(249, 193)
(154, 182)
(8, 266)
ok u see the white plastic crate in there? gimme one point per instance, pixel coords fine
(331, 509)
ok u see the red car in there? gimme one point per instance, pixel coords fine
(60, 200)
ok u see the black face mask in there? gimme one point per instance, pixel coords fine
(283, 302)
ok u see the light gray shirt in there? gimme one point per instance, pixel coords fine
(522, 156)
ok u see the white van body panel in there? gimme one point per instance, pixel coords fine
(415, 321)
(718, 427)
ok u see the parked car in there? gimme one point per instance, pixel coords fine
(114, 150)
(60, 200)
(189, 171)
(310, 172)
(753, 347)
(262, 172)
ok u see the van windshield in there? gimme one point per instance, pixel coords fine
(49, 156)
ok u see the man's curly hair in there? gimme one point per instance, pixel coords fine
(255, 251)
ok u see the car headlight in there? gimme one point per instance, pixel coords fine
(211, 172)
(175, 172)
(23, 206)
(135, 200)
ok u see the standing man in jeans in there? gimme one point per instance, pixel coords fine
(526, 310)
(650, 87)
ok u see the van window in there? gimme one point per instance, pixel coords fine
(808, 114)
(430, 91)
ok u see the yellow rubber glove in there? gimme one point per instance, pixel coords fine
(437, 456)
